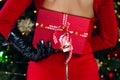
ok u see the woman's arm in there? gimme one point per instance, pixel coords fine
(10, 12)
(107, 24)
(8, 16)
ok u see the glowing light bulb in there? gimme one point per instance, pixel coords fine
(35, 11)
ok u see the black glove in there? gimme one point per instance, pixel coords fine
(42, 51)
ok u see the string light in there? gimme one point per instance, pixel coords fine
(108, 69)
(108, 56)
(23, 33)
(119, 40)
(95, 27)
(116, 11)
(35, 11)
(1, 55)
(11, 73)
(11, 62)
(119, 16)
(24, 74)
(111, 74)
(102, 76)
(115, 54)
(101, 63)
(118, 3)
(115, 70)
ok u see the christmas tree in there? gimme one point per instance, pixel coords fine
(13, 65)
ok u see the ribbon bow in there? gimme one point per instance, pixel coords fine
(65, 39)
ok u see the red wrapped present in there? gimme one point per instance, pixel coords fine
(66, 32)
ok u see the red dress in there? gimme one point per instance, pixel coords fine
(82, 67)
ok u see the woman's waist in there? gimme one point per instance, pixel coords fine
(59, 59)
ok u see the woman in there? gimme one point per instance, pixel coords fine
(52, 15)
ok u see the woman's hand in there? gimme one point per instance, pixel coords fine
(28, 50)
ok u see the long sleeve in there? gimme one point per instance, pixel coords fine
(10, 12)
(108, 30)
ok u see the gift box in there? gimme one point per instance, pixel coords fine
(65, 31)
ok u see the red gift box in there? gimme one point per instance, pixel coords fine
(58, 27)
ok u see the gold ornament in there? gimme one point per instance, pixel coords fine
(25, 26)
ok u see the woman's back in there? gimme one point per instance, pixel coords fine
(77, 7)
